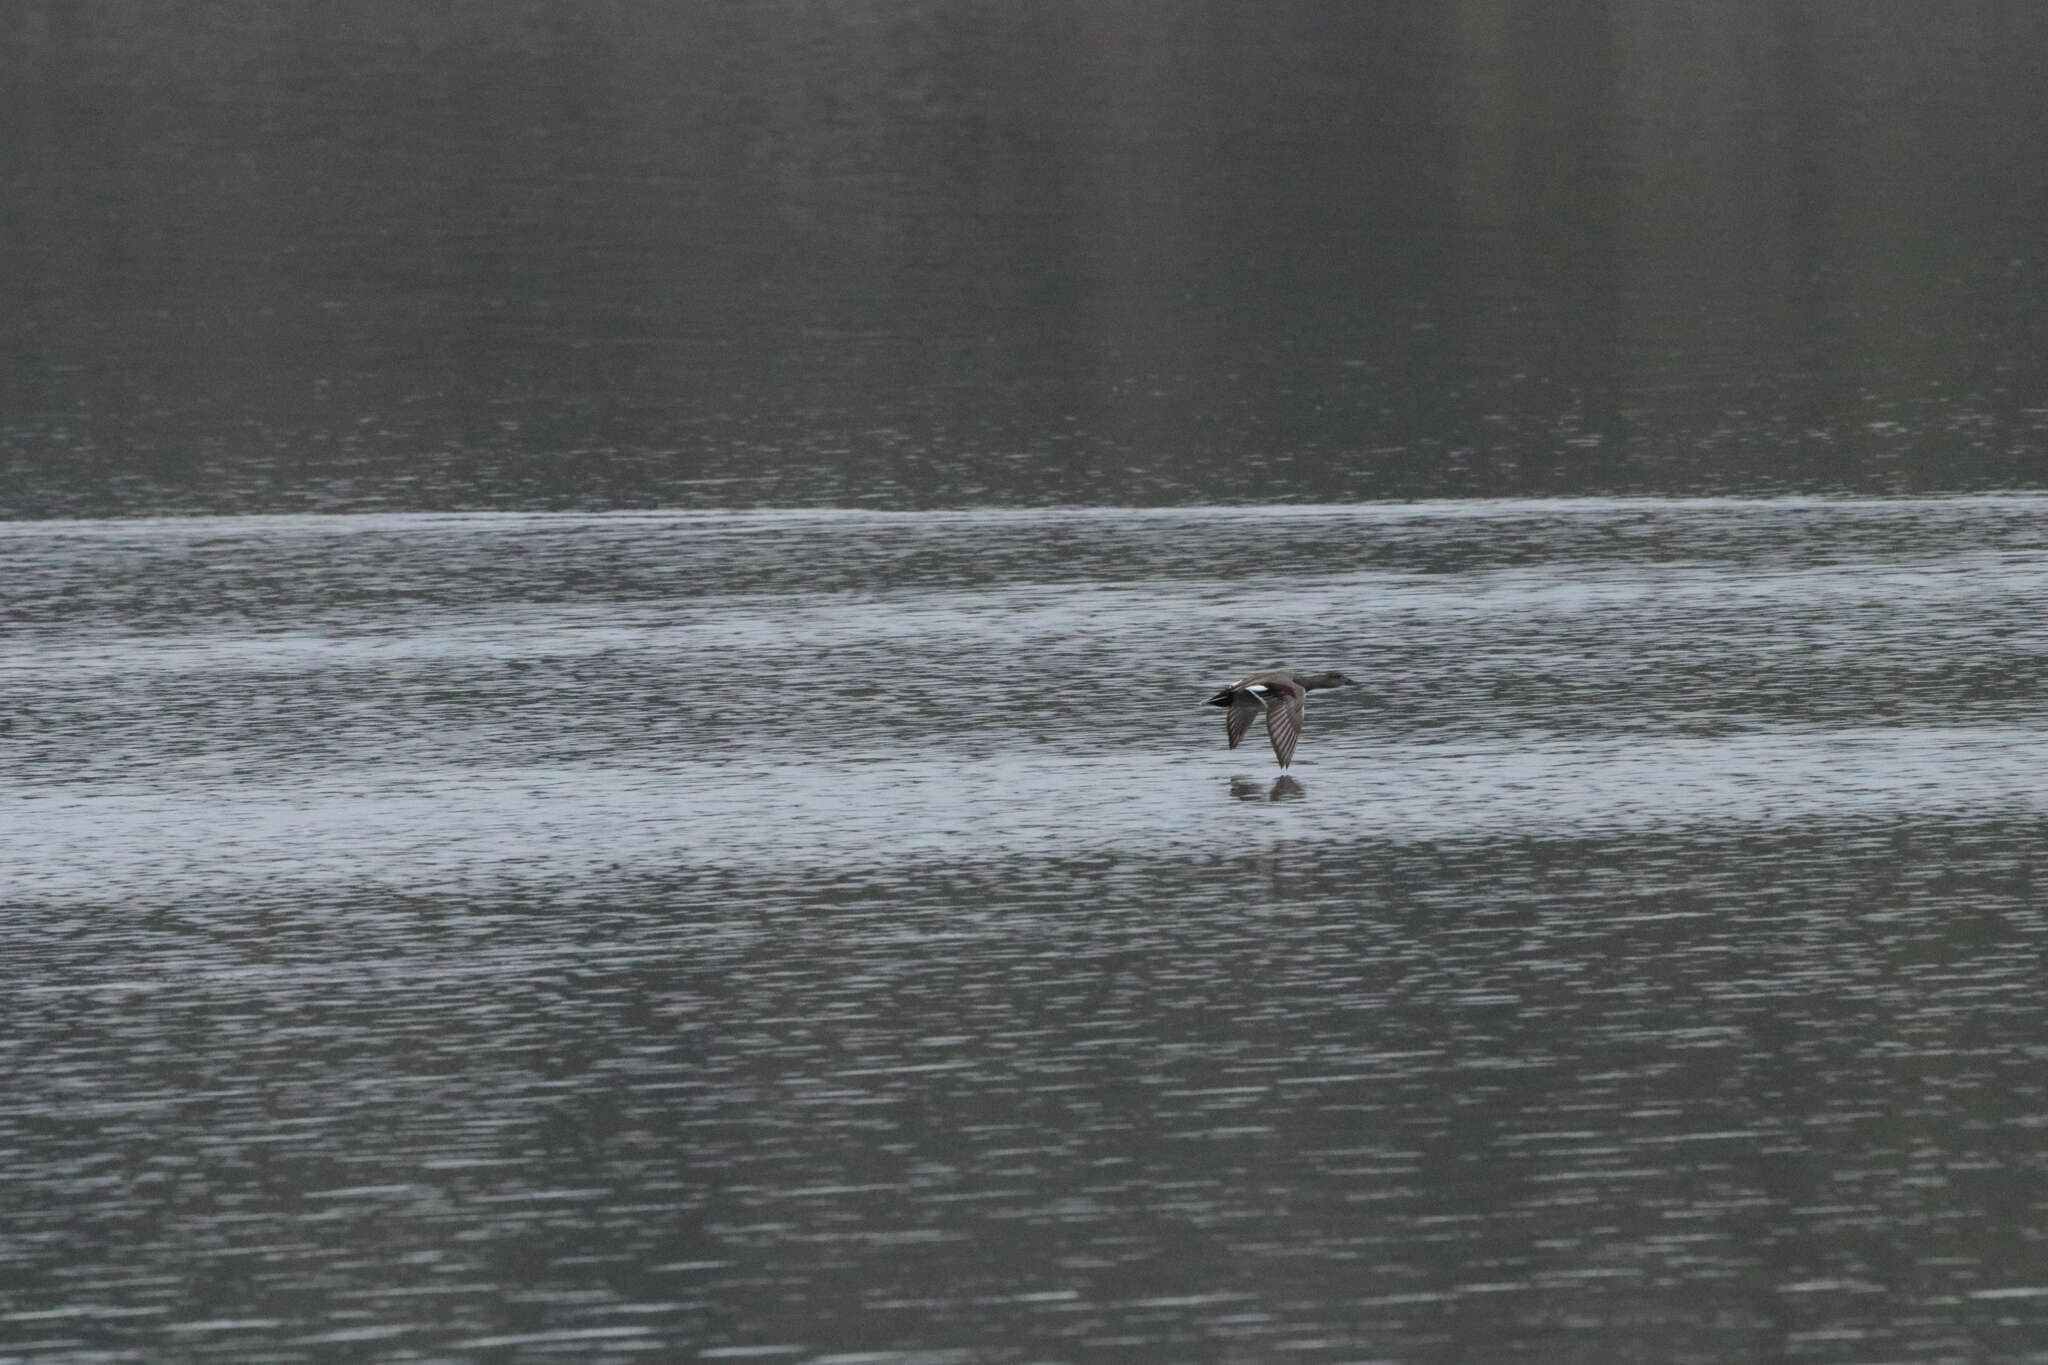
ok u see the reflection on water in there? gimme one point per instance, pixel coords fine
(409, 955)
(884, 253)
(1284, 788)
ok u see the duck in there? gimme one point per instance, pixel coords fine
(1283, 695)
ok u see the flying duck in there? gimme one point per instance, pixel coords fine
(1283, 695)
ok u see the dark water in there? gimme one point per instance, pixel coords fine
(374, 255)
(417, 949)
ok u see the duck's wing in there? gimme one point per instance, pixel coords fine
(1238, 719)
(1283, 724)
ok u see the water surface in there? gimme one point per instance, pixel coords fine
(419, 946)
(368, 255)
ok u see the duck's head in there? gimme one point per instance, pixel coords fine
(1329, 680)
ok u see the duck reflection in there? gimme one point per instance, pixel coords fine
(1251, 789)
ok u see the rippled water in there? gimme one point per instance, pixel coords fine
(845, 936)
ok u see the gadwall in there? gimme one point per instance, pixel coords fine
(1283, 695)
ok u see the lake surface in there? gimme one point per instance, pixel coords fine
(603, 618)
(426, 939)
(368, 255)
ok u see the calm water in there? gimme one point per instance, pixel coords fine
(418, 950)
(371, 255)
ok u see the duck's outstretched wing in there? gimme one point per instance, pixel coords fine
(1238, 719)
(1283, 724)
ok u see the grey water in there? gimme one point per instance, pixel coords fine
(603, 618)
(374, 256)
(845, 936)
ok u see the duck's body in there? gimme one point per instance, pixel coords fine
(1283, 695)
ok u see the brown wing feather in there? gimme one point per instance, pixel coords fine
(1283, 725)
(1238, 718)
